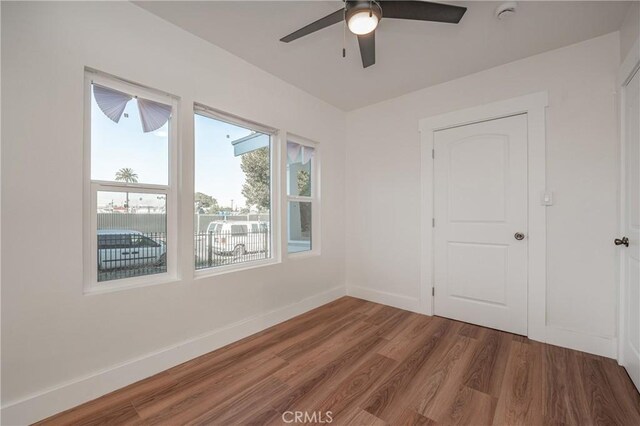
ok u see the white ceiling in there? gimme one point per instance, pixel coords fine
(410, 55)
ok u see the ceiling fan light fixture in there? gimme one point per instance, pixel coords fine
(363, 22)
(362, 17)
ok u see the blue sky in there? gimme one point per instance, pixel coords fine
(119, 145)
(218, 171)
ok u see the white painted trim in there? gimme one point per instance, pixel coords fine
(534, 106)
(628, 68)
(396, 300)
(66, 395)
(236, 120)
(237, 267)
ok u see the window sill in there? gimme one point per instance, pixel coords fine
(303, 254)
(227, 269)
(97, 288)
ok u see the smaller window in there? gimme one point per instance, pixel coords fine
(301, 196)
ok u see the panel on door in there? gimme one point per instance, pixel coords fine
(631, 227)
(480, 212)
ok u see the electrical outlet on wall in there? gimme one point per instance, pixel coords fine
(547, 198)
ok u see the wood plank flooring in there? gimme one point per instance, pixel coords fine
(370, 364)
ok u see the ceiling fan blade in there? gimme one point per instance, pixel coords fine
(367, 44)
(327, 21)
(422, 11)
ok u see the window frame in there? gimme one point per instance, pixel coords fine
(92, 187)
(314, 199)
(275, 150)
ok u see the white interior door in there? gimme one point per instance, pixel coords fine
(630, 285)
(480, 212)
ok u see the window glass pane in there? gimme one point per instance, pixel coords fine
(299, 226)
(298, 173)
(123, 152)
(238, 229)
(232, 194)
(132, 234)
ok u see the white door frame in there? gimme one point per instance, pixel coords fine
(534, 106)
(627, 70)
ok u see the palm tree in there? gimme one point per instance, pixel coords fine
(127, 175)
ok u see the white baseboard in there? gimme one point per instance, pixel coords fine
(67, 395)
(597, 345)
(399, 301)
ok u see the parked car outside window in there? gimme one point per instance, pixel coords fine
(119, 248)
(236, 239)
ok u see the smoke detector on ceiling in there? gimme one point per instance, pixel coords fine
(506, 10)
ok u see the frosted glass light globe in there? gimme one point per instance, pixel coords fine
(361, 23)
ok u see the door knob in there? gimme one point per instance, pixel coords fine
(621, 242)
(518, 236)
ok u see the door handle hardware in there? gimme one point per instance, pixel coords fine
(518, 236)
(621, 242)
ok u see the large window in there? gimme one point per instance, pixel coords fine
(233, 192)
(131, 170)
(130, 138)
(302, 196)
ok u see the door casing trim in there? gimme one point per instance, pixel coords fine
(534, 105)
(628, 69)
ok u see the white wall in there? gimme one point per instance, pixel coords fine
(52, 334)
(630, 29)
(383, 185)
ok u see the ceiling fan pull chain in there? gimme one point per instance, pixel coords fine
(370, 8)
(344, 31)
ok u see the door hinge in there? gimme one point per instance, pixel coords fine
(433, 291)
(433, 153)
(433, 222)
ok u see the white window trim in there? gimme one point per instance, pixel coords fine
(276, 193)
(314, 199)
(90, 189)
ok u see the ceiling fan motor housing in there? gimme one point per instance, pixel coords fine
(353, 7)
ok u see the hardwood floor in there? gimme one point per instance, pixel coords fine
(370, 364)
